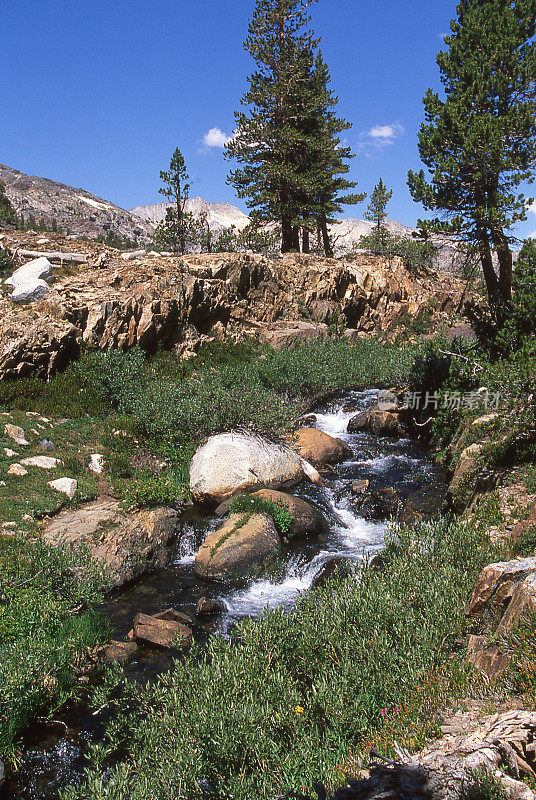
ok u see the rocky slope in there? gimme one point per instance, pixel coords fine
(123, 299)
(74, 210)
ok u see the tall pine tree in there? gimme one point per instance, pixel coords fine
(479, 142)
(286, 141)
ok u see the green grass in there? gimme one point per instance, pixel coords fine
(279, 513)
(297, 698)
(44, 630)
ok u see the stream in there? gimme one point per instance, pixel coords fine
(401, 475)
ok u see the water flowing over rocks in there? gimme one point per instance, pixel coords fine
(180, 301)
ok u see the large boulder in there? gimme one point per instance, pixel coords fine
(30, 291)
(306, 519)
(124, 545)
(281, 335)
(38, 269)
(377, 421)
(230, 463)
(238, 548)
(320, 448)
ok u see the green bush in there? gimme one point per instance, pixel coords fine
(483, 786)
(296, 698)
(44, 629)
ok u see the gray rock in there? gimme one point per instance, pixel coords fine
(30, 291)
(67, 486)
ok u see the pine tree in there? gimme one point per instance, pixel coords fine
(286, 140)
(378, 203)
(325, 157)
(173, 231)
(479, 143)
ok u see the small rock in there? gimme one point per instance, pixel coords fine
(95, 463)
(174, 616)
(161, 633)
(66, 486)
(10, 453)
(17, 434)
(46, 444)
(360, 487)
(119, 652)
(17, 469)
(44, 462)
(207, 607)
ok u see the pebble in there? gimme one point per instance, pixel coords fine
(45, 462)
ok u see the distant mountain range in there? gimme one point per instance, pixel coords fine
(219, 215)
(74, 210)
(85, 214)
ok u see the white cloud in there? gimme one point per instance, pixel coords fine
(215, 137)
(380, 136)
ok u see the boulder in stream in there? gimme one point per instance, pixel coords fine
(229, 463)
(306, 519)
(320, 448)
(381, 423)
(153, 631)
(242, 545)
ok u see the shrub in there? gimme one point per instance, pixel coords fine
(41, 634)
(483, 785)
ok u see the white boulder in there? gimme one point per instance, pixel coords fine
(29, 292)
(66, 486)
(18, 470)
(38, 269)
(238, 462)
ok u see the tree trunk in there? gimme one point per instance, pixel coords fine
(288, 238)
(325, 237)
(306, 248)
(296, 239)
(504, 255)
(486, 259)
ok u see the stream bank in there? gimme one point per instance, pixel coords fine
(397, 470)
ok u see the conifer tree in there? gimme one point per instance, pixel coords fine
(173, 231)
(7, 212)
(286, 139)
(376, 212)
(479, 142)
(324, 157)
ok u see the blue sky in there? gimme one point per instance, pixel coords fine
(98, 94)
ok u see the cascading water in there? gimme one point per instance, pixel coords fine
(353, 535)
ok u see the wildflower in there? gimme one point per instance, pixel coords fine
(299, 710)
(383, 712)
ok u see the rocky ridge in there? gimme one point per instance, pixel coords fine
(75, 210)
(120, 300)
